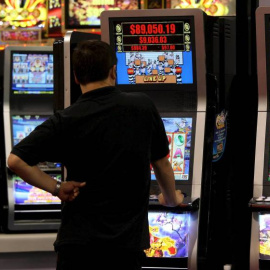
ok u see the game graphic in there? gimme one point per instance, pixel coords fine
(32, 73)
(264, 225)
(23, 14)
(168, 234)
(155, 67)
(87, 13)
(210, 7)
(178, 131)
(27, 194)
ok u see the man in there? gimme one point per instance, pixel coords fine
(106, 140)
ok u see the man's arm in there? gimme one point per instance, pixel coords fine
(165, 177)
(68, 191)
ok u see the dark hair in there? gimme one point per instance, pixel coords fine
(92, 61)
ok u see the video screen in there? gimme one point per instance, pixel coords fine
(26, 194)
(264, 237)
(210, 7)
(179, 133)
(154, 52)
(23, 14)
(32, 73)
(169, 234)
(23, 125)
(85, 14)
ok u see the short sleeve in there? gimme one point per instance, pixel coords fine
(160, 144)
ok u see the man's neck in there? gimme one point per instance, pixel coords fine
(95, 85)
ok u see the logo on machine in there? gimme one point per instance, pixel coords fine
(154, 78)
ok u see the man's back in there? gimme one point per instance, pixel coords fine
(106, 139)
(109, 135)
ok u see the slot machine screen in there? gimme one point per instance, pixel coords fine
(23, 125)
(31, 72)
(169, 234)
(86, 14)
(154, 51)
(264, 236)
(26, 194)
(180, 137)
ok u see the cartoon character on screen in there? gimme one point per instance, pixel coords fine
(182, 125)
(143, 69)
(160, 245)
(265, 237)
(131, 73)
(161, 59)
(149, 69)
(154, 64)
(37, 65)
(155, 246)
(166, 63)
(178, 72)
(137, 71)
(160, 68)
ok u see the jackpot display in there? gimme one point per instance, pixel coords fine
(153, 52)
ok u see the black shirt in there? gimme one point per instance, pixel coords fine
(107, 138)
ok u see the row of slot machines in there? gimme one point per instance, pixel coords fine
(170, 56)
(168, 65)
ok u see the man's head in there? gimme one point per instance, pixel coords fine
(92, 61)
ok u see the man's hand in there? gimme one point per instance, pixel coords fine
(179, 197)
(70, 190)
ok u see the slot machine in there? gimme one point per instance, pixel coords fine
(28, 101)
(162, 53)
(260, 202)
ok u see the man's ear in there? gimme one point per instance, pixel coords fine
(113, 72)
(76, 80)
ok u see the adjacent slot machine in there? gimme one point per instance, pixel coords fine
(162, 53)
(28, 102)
(85, 16)
(260, 203)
